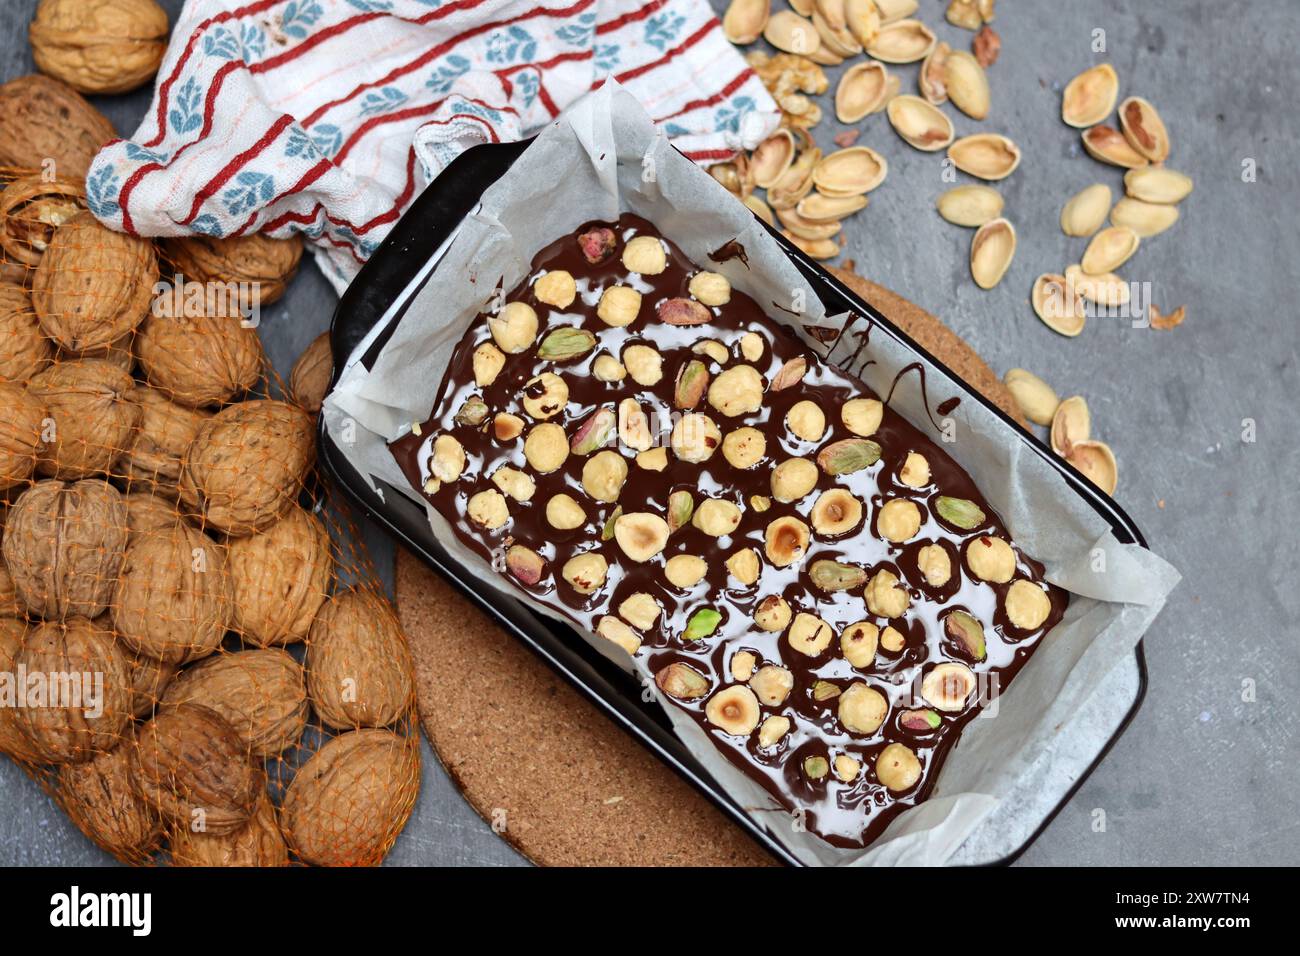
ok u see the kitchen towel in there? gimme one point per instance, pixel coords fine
(327, 117)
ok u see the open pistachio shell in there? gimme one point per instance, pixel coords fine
(744, 20)
(1086, 211)
(1096, 462)
(1144, 129)
(791, 33)
(930, 80)
(861, 91)
(818, 207)
(1107, 289)
(802, 7)
(850, 172)
(1109, 249)
(772, 158)
(1036, 398)
(824, 57)
(760, 209)
(1090, 96)
(903, 41)
(1071, 424)
(921, 125)
(835, 36)
(1156, 184)
(797, 181)
(1145, 218)
(968, 87)
(985, 156)
(820, 249)
(1108, 145)
(891, 10)
(862, 17)
(970, 205)
(806, 229)
(991, 251)
(1057, 303)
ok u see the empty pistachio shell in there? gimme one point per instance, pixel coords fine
(903, 41)
(1090, 96)
(930, 80)
(806, 229)
(848, 455)
(1057, 303)
(1156, 184)
(970, 205)
(966, 633)
(682, 681)
(959, 512)
(1071, 424)
(818, 207)
(1109, 249)
(1086, 211)
(968, 87)
(1036, 398)
(891, 10)
(566, 343)
(1107, 289)
(835, 36)
(1144, 129)
(820, 249)
(1096, 462)
(760, 209)
(772, 158)
(1144, 218)
(1108, 145)
(921, 125)
(861, 91)
(796, 182)
(850, 172)
(985, 155)
(791, 33)
(862, 17)
(744, 20)
(833, 576)
(991, 250)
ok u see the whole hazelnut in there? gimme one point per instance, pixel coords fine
(744, 447)
(640, 610)
(488, 362)
(585, 572)
(745, 566)
(743, 664)
(644, 364)
(1027, 605)
(898, 520)
(556, 288)
(606, 368)
(448, 459)
(772, 684)
(772, 614)
(514, 483)
(897, 768)
(616, 632)
(858, 644)
(685, 570)
(603, 475)
(564, 513)
(737, 391)
(716, 517)
(786, 541)
(809, 634)
(846, 768)
(645, 255)
(751, 346)
(488, 509)
(915, 472)
(641, 535)
(545, 396)
(711, 288)
(991, 559)
(806, 421)
(886, 597)
(514, 328)
(935, 564)
(793, 479)
(619, 306)
(695, 437)
(835, 512)
(656, 459)
(773, 730)
(546, 447)
(862, 416)
(862, 709)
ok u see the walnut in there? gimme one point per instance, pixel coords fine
(93, 285)
(99, 46)
(152, 462)
(13, 631)
(22, 420)
(262, 265)
(99, 797)
(41, 119)
(91, 403)
(198, 360)
(31, 208)
(281, 577)
(258, 843)
(149, 678)
(93, 706)
(146, 512)
(120, 354)
(359, 670)
(247, 464)
(63, 545)
(310, 378)
(172, 599)
(24, 349)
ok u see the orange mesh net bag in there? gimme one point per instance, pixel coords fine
(196, 658)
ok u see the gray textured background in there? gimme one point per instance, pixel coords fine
(1203, 776)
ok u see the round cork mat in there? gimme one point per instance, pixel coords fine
(575, 789)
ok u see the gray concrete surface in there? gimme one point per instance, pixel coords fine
(1207, 774)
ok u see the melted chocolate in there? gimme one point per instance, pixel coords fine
(844, 814)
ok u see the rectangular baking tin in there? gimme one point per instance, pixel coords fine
(381, 293)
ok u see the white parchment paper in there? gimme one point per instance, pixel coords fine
(603, 157)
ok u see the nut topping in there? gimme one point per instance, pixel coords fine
(772, 684)
(556, 288)
(645, 255)
(619, 306)
(641, 535)
(862, 709)
(809, 634)
(786, 541)
(515, 327)
(734, 710)
(835, 512)
(585, 572)
(772, 614)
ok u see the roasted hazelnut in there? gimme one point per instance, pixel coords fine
(634, 425)
(835, 512)
(716, 517)
(514, 328)
(564, 513)
(507, 427)
(947, 686)
(745, 566)
(933, 562)
(656, 459)
(712, 348)
(751, 346)
(915, 472)
(1027, 605)
(448, 460)
(615, 631)
(545, 396)
(546, 447)
(862, 709)
(645, 255)
(806, 420)
(785, 541)
(619, 306)
(772, 613)
(809, 634)
(641, 535)
(488, 509)
(760, 503)
(858, 644)
(847, 768)
(644, 364)
(773, 730)
(695, 437)
(744, 447)
(514, 483)
(685, 570)
(585, 572)
(898, 520)
(792, 479)
(892, 640)
(488, 362)
(603, 475)
(640, 610)
(772, 684)
(991, 559)
(886, 597)
(711, 288)
(743, 664)
(606, 368)
(737, 391)
(862, 416)
(556, 288)
(897, 768)
(733, 709)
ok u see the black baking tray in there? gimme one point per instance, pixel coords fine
(387, 283)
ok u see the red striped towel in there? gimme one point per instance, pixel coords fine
(327, 117)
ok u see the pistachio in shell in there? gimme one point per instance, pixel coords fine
(1144, 129)
(960, 512)
(970, 205)
(1107, 145)
(1086, 210)
(1146, 219)
(989, 156)
(862, 18)
(1037, 400)
(920, 124)
(1090, 96)
(991, 250)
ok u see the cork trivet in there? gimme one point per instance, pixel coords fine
(527, 750)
